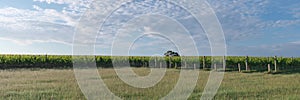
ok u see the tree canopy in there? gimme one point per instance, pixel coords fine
(171, 53)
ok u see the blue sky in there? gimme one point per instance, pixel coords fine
(251, 27)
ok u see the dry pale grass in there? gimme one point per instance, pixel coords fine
(50, 84)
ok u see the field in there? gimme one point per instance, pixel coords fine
(57, 84)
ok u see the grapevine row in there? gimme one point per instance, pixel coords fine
(66, 61)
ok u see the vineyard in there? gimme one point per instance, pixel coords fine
(65, 61)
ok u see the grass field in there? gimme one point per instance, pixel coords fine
(50, 84)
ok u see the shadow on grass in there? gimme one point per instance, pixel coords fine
(290, 71)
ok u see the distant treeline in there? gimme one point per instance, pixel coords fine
(62, 61)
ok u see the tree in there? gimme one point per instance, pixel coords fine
(171, 54)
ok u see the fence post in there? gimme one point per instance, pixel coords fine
(292, 63)
(46, 61)
(185, 65)
(160, 65)
(275, 63)
(195, 66)
(239, 66)
(170, 62)
(215, 66)
(246, 63)
(155, 62)
(224, 63)
(203, 62)
(145, 62)
(269, 68)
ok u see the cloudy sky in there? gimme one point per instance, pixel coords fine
(251, 27)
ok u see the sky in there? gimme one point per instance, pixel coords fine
(251, 27)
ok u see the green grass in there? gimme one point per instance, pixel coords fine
(50, 84)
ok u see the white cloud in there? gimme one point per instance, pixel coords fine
(285, 23)
(294, 10)
(242, 19)
(147, 29)
(26, 42)
(74, 7)
(282, 49)
(12, 16)
(36, 7)
(295, 42)
(25, 26)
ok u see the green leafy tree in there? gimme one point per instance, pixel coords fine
(170, 62)
(171, 54)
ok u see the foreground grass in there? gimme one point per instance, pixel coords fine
(61, 84)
